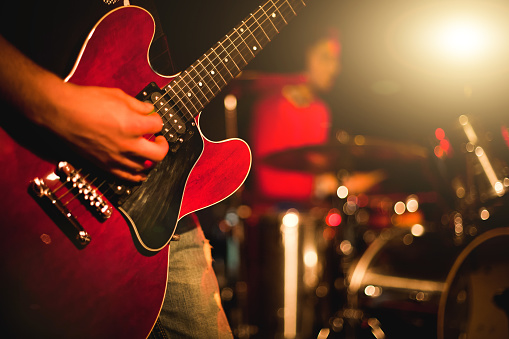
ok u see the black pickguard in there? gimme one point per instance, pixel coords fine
(154, 206)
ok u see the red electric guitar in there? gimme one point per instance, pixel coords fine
(85, 255)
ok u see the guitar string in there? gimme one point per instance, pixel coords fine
(235, 44)
(200, 74)
(203, 72)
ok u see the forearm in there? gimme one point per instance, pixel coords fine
(27, 86)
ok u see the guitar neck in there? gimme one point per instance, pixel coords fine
(194, 88)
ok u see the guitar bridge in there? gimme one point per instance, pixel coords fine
(43, 191)
(74, 182)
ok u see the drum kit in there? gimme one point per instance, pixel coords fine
(422, 247)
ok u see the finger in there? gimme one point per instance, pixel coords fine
(148, 124)
(154, 150)
(135, 104)
(135, 177)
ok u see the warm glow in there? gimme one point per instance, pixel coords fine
(333, 218)
(399, 207)
(462, 38)
(291, 262)
(417, 230)
(412, 204)
(342, 192)
(291, 219)
(310, 258)
(230, 102)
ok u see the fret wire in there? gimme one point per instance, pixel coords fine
(259, 25)
(244, 42)
(179, 98)
(273, 31)
(197, 85)
(236, 47)
(227, 60)
(203, 83)
(251, 33)
(269, 19)
(291, 7)
(221, 62)
(273, 16)
(193, 88)
(214, 71)
(257, 33)
(281, 15)
(194, 94)
(232, 58)
(208, 74)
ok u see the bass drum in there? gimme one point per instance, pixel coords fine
(426, 287)
(475, 302)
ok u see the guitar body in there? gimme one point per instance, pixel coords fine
(114, 286)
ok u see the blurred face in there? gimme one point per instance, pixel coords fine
(323, 64)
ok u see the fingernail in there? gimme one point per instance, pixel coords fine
(148, 164)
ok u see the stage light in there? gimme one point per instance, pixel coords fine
(412, 204)
(440, 134)
(230, 102)
(310, 258)
(290, 232)
(291, 219)
(342, 192)
(399, 207)
(417, 230)
(484, 213)
(463, 38)
(333, 218)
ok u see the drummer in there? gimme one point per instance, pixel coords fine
(291, 114)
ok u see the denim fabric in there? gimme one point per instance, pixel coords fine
(192, 307)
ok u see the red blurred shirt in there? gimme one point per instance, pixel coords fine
(277, 125)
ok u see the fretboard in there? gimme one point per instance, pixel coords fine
(194, 88)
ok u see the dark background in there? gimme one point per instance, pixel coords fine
(395, 84)
(385, 46)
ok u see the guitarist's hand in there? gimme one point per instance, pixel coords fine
(104, 125)
(108, 126)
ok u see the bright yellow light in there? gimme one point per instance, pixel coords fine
(484, 213)
(417, 230)
(291, 219)
(230, 102)
(342, 192)
(463, 38)
(412, 204)
(310, 258)
(399, 207)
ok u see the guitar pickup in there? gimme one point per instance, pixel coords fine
(176, 128)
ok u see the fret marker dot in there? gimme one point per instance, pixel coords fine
(225, 59)
(273, 15)
(200, 84)
(254, 48)
(242, 30)
(212, 72)
(188, 94)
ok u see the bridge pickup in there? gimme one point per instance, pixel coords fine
(42, 191)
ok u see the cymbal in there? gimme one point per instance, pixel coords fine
(368, 154)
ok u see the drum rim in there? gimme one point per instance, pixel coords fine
(454, 270)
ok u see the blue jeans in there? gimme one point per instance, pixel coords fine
(192, 306)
